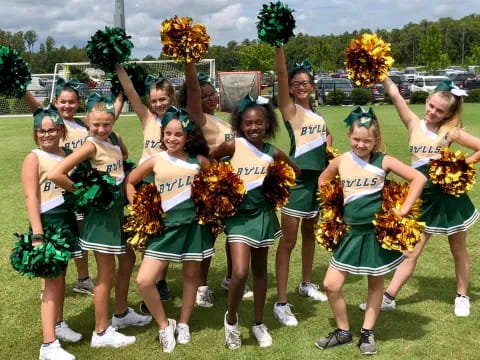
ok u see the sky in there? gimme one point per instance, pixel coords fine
(74, 22)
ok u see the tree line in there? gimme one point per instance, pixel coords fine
(432, 44)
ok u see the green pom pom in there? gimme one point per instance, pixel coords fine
(109, 47)
(275, 24)
(14, 73)
(47, 260)
(94, 189)
(128, 166)
(136, 73)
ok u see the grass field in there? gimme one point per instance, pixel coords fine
(423, 327)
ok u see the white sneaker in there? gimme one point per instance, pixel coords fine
(54, 351)
(462, 306)
(86, 286)
(111, 338)
(247, 293)
(387, 305)
(204, 297)
(182, 333)
(232, 334)
(131, 319)
(64, 333)
(167, 336)
(311, 290)
(261, 334)
(283, 313)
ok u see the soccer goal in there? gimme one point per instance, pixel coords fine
(234, 86)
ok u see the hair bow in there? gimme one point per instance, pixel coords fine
(304, 65)
(447, 85)
(248, 101)
(94, 98)
(365, 118)
(152, 81)
(73, 84)
(49, 111)
(181, 115)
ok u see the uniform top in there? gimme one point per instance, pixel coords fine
(216, 131)
(152, 133)
(362, 183)
(50, 193)
(108, 157)
(425, 145)
(308, 137)
(76, 134)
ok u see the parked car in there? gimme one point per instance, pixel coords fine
(402, 83)
(460, 78)
(40, 91)
(378, 92)
(426, 83)
(325, 85)
(472, 84)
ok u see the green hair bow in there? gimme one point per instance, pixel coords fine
(204, 79)
(447, 85)
(304, 65)
(94, 98)
(73, 84)
(49, 111)
(152, 81)
(181, 115)
(365, 118)
(248, 101)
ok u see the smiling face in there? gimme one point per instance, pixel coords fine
(159, 101)
(436, 111)
(174, 138)
(254, 125)
(100, 124)
(67, 104)
(48, 136)
(301, 86)
(363, 141)
(209, 98)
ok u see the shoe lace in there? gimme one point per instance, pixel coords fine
(207, 296)
(233, 337)
(164, 338)
(364, 338)
(288, 309)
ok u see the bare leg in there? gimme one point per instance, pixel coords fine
(374, 301)
(191, 277)
(146, 281)
(105, 273)
(125, 266)
(308, 248)
(52, 297)
(204, 268)
(82, 266)
(333, 284)
(61, 285)
(407, 267)
(229, 260)
(240, 261)
(259, 271)
(284, 251)
(458, 247)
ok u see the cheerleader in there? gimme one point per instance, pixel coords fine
(443, 213)
(254, 228)
(101, 231)
(183, 239)
(362, 173)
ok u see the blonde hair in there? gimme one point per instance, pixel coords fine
(455, 108)
(100, 107)
(377, 134)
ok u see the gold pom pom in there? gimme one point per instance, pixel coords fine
(368, 59)
(217, 192)
(392, 232)
(452, 172)
(331, 227)
(277, 183)
(145, 217)
(331, 153)
(183, 41)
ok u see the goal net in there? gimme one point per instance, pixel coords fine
(233, 86)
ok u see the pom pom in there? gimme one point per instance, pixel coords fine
(368, 59)
(47, 260)
(109, 47)
(275, 24)
(392, 232)
(14, 73)
(145, 218)
(94, 189)
(331, 153)
(277, 183)
(331, 227)
(452, 172)
(217, 192)
(136, 73)
(128, 166)
(183, 41)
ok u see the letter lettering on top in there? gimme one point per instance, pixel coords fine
(109, 169)
(249, 171)
(304, 131)
(47, 186)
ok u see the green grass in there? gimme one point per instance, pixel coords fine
(423, 327)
